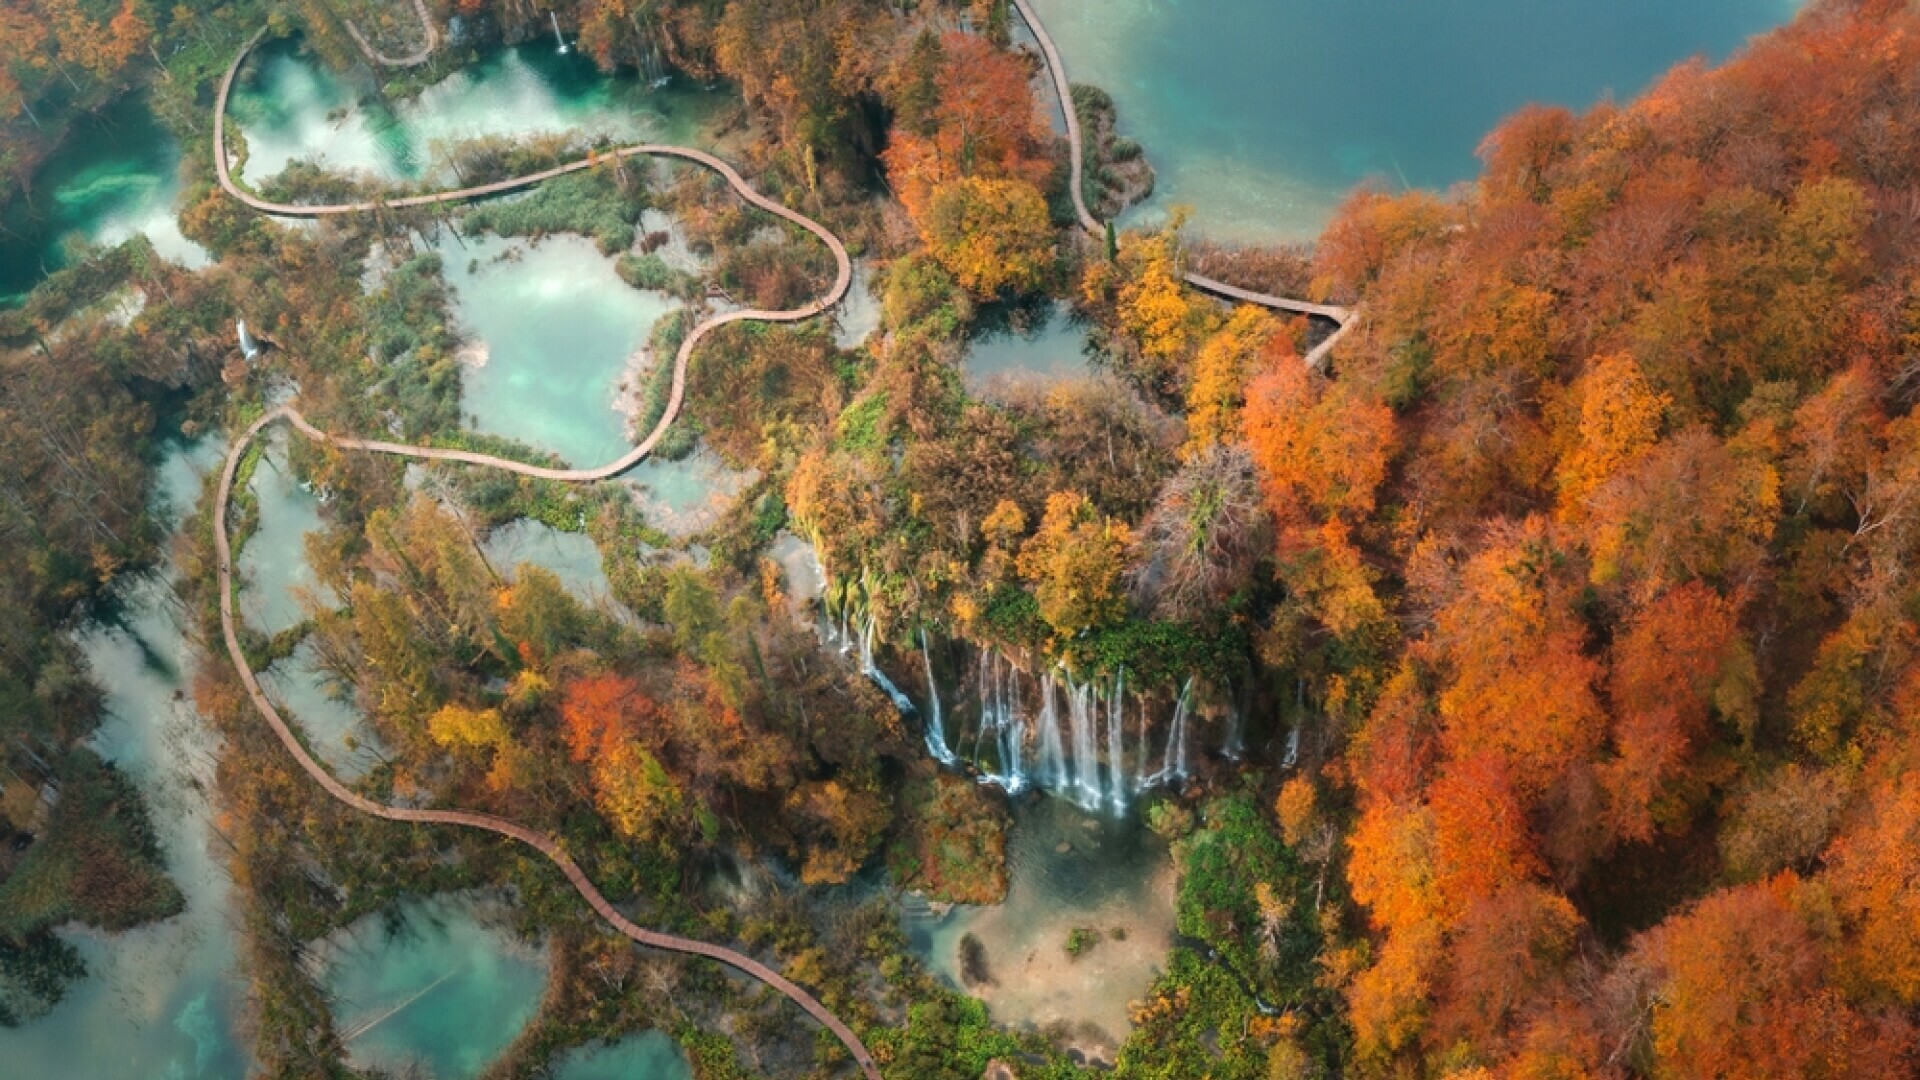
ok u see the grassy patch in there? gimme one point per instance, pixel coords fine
(591, 203)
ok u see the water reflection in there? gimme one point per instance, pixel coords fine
(1025, 346)
(1068, 870)
(571, 557)
(115, 175)
(273, 564)
(160, 1000)
(429, 984)
(557, 331)
(646, 1056)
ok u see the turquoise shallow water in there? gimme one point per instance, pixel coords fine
(1067, 869)
(1261, 114)
(647, 1056)
(116, 175)
(558, 327)
(158, 1001)
(290, 107)
(273, 564)
(428, 983)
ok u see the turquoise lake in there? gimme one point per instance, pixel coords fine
(1262, 114)
(116, 175)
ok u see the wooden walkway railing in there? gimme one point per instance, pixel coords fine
(429, 42)
(1345, 318)
(224, 551)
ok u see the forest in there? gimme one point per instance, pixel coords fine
(1567, 609)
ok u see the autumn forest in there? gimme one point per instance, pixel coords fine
(1526, 689)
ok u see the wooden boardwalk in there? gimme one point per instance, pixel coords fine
(223, 549)
(1345, 318)
(429, 42)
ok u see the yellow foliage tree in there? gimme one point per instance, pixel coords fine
(1220, 372)
(993, 236)
(459, 728)
(634, 790)
(1074, 563)
(1620, 416)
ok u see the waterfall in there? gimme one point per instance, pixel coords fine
(936, 724)
(1084, 712)
(1081, 747)
(1001, 727)
(557, 36)
(1116, 741)
(247, 346)
(1174, 766)
(1141, 779)
(1053, 758)
(1013, 733)
(655, 65)
(1293, 748)
(1182, 716)
(872, 670)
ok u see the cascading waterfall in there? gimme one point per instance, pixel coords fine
(1173, 766)
(936, 724)
(1001, 726)
(1076, 745)
(1116, 741)
(1053, 752)
(872, 670)
(557, 36)
(1083, 711)
(1141, 779)
(1080, 736)
(247, 346)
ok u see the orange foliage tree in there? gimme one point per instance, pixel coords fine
(983, 124)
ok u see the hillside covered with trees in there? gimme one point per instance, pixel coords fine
(1567, 611)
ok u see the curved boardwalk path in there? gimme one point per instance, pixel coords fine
(223, 547)
(1076, 159)
(428, 43)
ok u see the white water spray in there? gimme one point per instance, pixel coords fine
(936, 723)
(1117, 742)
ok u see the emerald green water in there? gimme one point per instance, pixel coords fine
(558, 328)
(116, 175)
(1261, 114)
(289, 107)
(647, 1056)
(429, 984)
